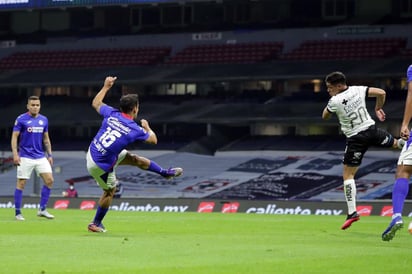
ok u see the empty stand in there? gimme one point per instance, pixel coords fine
(407, 53)
(85, 58)
(344, 49)
(228, 53)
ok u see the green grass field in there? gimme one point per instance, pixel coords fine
(199, 243)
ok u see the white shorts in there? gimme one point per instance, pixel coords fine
(405, 158)
(27, 165)
(108, 181)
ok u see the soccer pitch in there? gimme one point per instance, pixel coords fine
(141, 242)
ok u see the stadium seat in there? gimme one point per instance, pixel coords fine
(120, 57)
(228, 53)
(339, 49)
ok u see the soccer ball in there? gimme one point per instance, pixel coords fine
(410, 228)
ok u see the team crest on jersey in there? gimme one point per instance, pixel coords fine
(41, 122)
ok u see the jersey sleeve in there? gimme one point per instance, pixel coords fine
(17, 124)
(409, 74)
(331, 107)
(106, 110)
(141, 134)
(362, 90)
(46, 126)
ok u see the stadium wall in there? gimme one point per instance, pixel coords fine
(291, 38)
(228, 175)
(274, 207)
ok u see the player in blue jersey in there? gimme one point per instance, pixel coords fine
(404, 169)
(107, 149)
(31, 147)
(348, 103)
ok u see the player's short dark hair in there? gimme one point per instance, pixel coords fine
(336, 78)
(33, 98)
(128, 102)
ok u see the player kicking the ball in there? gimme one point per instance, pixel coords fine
(107, 150)
(349, 105)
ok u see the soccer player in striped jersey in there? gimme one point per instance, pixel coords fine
(107, 149)
(31, 147)
(404, 168)
(348, 103)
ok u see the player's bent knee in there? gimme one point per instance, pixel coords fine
(21, 184)
(137, 160)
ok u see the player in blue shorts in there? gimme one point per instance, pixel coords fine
(107, 150)
(31, 147)
(404, 169)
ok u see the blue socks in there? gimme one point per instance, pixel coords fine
(18, 196)
(44, 198)
(399, 192)
(154, 167)
(100, 213)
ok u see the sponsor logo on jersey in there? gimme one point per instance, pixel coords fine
(117, 125)
(35, 129)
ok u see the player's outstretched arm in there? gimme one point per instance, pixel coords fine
(152, 135)
(380, 96)
(98, 99)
